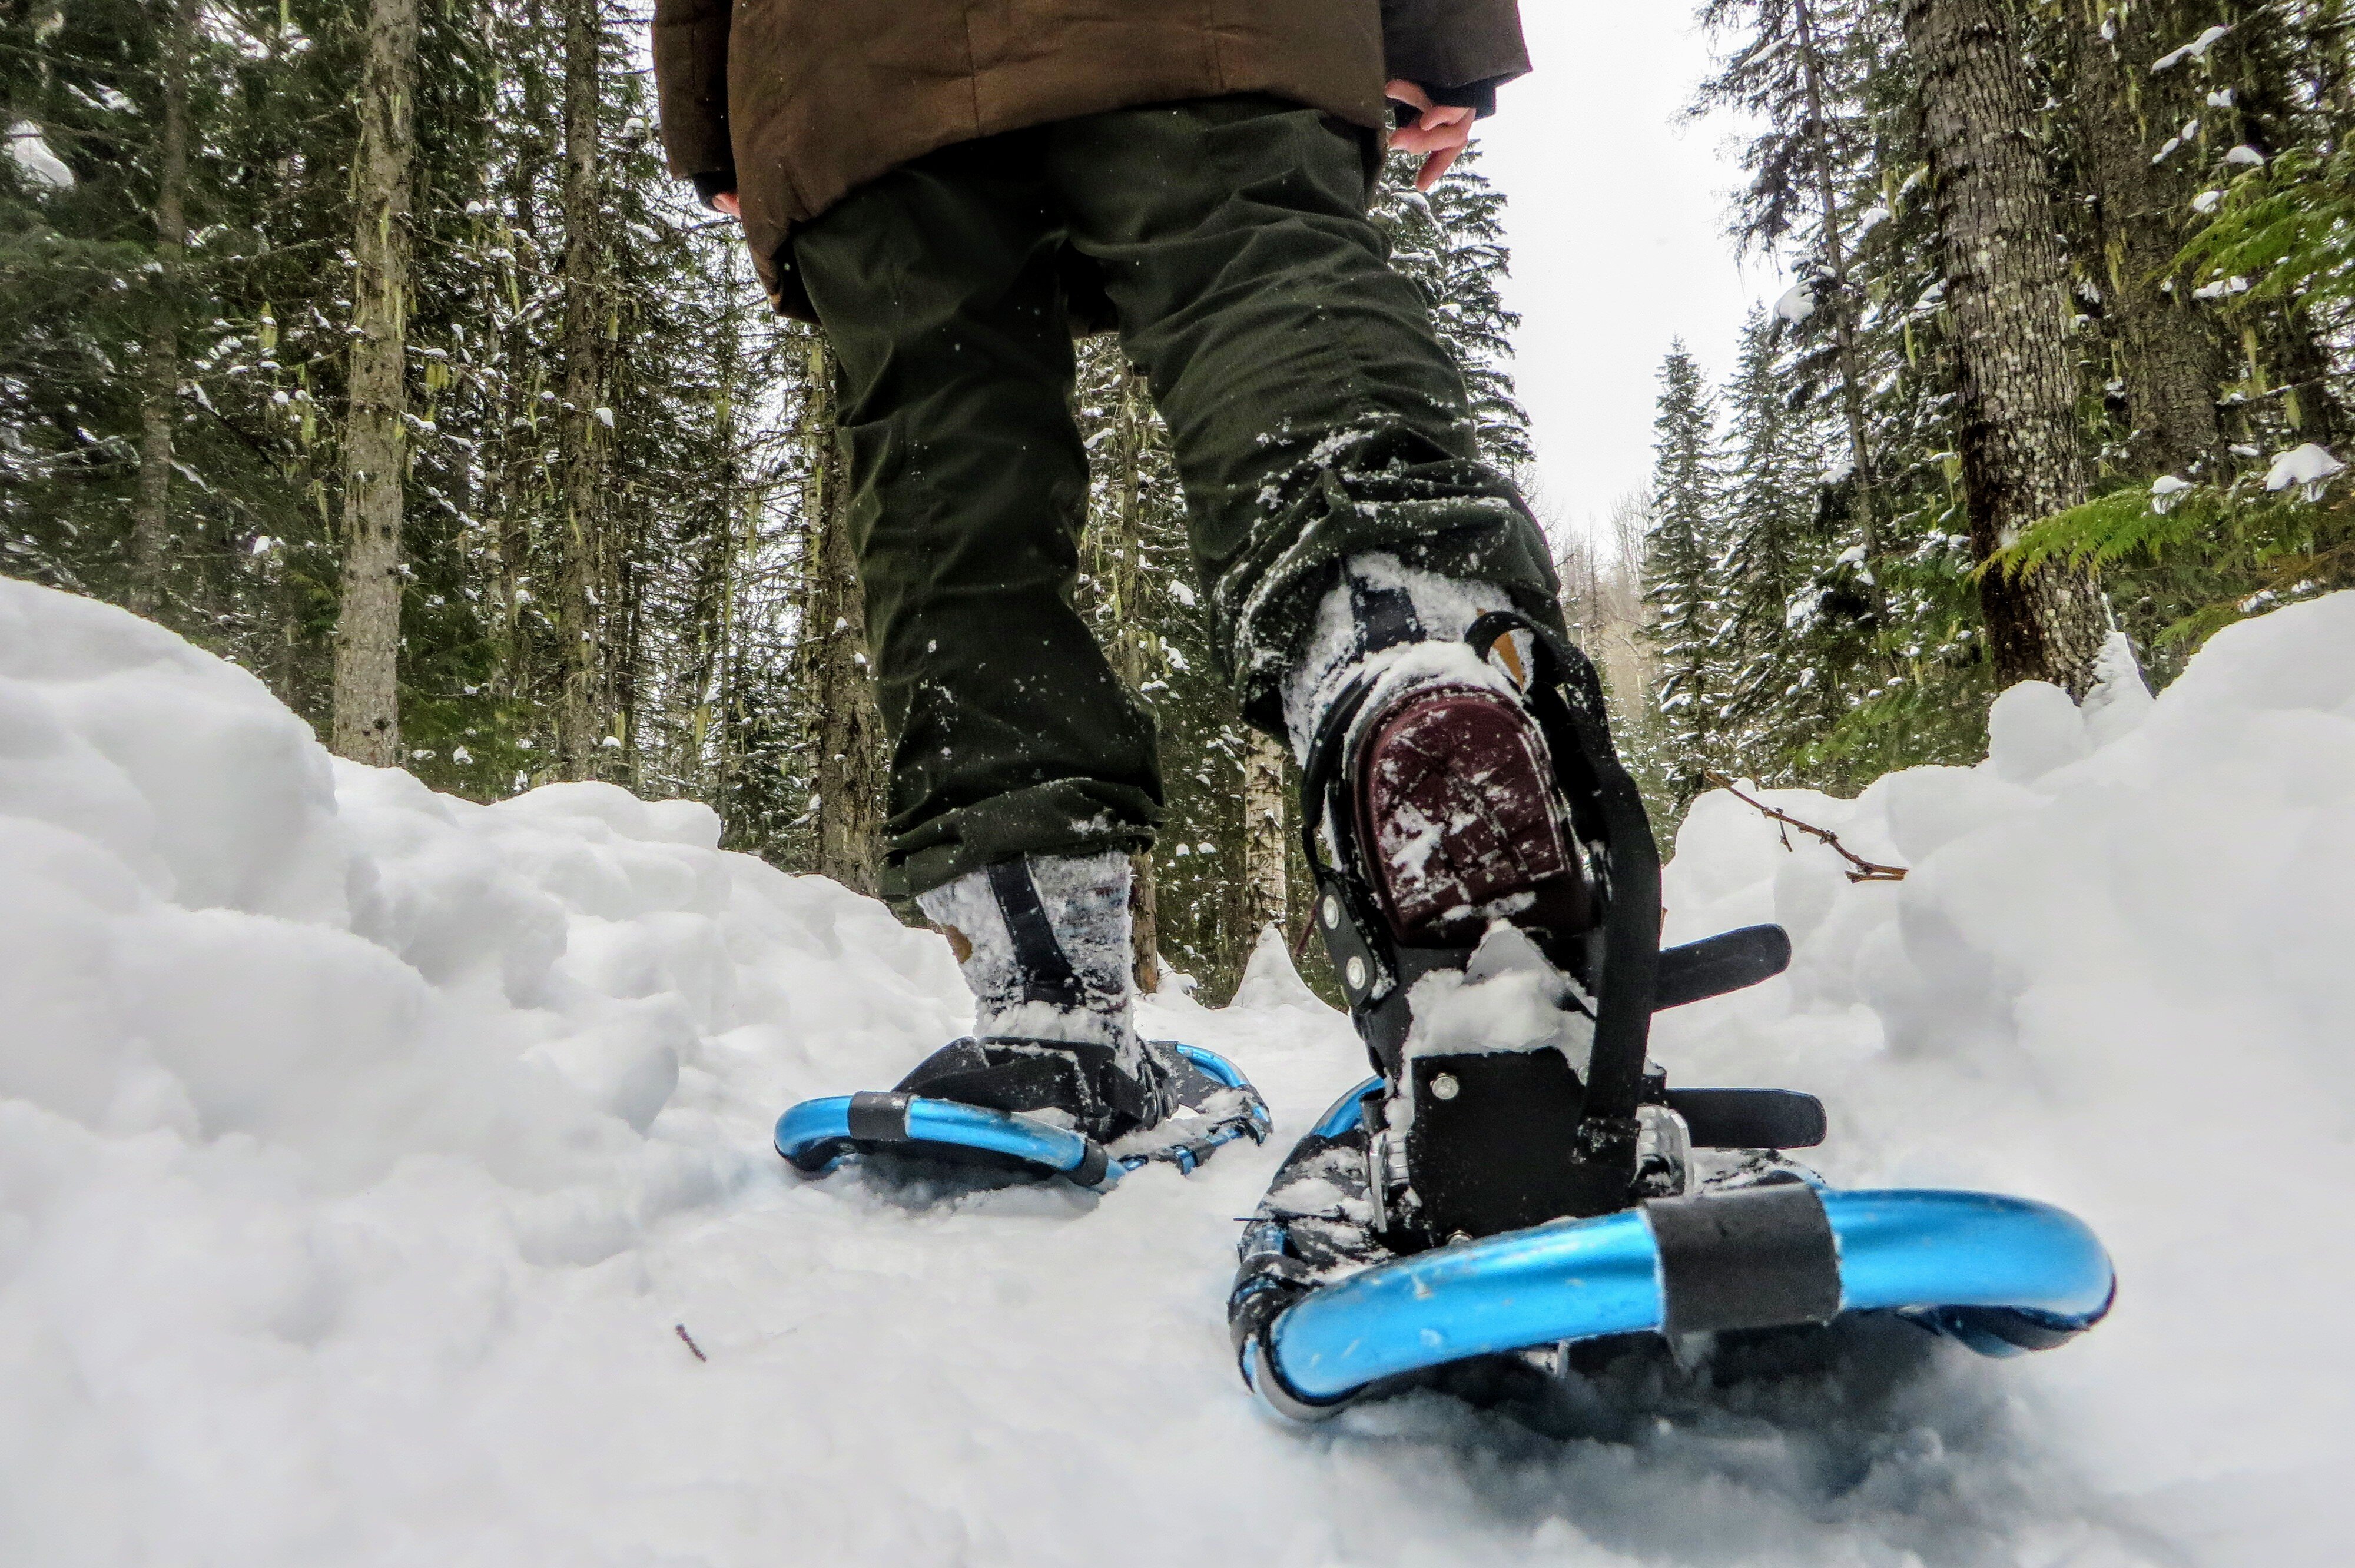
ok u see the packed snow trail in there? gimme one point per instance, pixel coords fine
(360, 1149)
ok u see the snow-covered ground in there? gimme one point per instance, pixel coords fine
(360, 1149)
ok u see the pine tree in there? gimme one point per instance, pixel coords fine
(1684, 565)
(1773, 700)
(1804, 66)
(1451, 244)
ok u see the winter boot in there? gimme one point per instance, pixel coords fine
(1044, 941)
(1459, 907)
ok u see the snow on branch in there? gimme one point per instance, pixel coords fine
(2197, 49)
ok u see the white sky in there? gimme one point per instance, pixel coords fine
(1616, 217)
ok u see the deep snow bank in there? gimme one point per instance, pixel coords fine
(359, 1148)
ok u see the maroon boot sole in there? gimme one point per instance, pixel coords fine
(1458, 814)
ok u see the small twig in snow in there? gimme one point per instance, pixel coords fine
(1864, 870)
(689, 1340)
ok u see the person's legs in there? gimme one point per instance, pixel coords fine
(1316, 417)
(1011, 734)
(1023, 771)
(1347, 533)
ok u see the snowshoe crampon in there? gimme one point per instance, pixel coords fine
(1484, 1199)
(1207, 1103)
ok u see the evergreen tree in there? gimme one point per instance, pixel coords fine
(1684, 571)
(1802, 66)
(1775, 628)
(1451, 243)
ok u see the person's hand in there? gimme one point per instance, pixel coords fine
(1440, 132)
(726, 202)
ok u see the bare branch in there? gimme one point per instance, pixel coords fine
(1864, 870)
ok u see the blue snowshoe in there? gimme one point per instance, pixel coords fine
(1467, 1206)
(1040, 1109)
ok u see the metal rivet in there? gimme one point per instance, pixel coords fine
(1445, 1087)
(1332, 913)
(1356, 974)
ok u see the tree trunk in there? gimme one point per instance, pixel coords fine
(376, 441)
(845, 727)
(1145, 922)
(579, 718)
(2308, 407)
(2171, 354)
(730, 704)
(515, 458)
(1119, 577)
(1264, 841)
(1865, 489)
(2008, 293)
(703, 661)
(159, 408)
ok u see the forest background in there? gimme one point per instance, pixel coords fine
(365, 344)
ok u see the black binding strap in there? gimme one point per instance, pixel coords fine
(877, 1117)
(1047, 974)
(1762, 1258)
(1571, 699)
(1385, 616)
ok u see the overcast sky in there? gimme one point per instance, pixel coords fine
(1616, 217)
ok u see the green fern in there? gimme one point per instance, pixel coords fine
(2109, 528)
(2230, 552)
(2289, 228)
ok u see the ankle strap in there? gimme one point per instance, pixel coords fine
(1047, 972)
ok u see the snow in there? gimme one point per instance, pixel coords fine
(2197, 49)
(1797, 303)
(32, 155)
(2308, 467)
(363, 1152)
(2166, 491)
(2246, 156)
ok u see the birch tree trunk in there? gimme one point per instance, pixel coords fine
(2171, 356)
(367, 724)
(2007, 293)
(151, 533)
(845, 726)
(579, 729)
(1264, 841)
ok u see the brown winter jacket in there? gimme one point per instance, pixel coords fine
(807, 99)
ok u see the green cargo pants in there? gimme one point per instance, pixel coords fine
(1313, 412)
